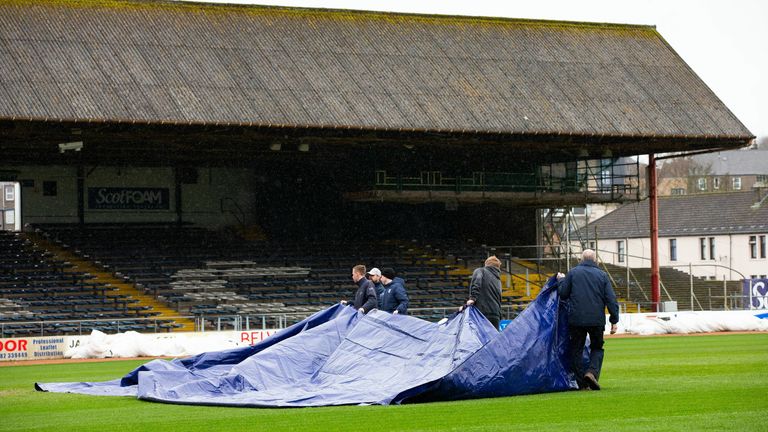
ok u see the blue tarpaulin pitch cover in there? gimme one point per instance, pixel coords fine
(340, 357)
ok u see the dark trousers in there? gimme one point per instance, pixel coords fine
(578, 336)
(495, 321)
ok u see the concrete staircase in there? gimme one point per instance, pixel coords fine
(99, 274)
(526, 269)
(515, 295)
(708, 294)
(526, 280)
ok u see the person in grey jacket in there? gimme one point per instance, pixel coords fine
(365, 295)
(588, 292)
(485, 290)
(393, 298)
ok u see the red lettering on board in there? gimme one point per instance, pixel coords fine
(13, 345)
(255, 336)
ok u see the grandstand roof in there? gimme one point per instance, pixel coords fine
(687, 215)
(157, 63)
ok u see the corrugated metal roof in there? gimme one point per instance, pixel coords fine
(181, 63)
(686, 215)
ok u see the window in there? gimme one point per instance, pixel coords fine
(592, 245)
(9, 193)
(702, 183)
(703, 247)
(753, 246)
(737, 183)
(712, 248)
(712, 277)
(754, 243)
(762, 179)
(606, 176)
(716, 182)
(10, 217)
(620, 249)
(673, 249)
(678, 191)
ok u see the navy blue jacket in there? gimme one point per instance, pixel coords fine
(379, 290)
(393, 297)
(365, 296)
(588, 291)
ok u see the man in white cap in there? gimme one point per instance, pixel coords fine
(374, 275)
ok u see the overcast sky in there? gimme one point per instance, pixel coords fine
(724, 41)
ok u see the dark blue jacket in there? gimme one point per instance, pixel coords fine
(588, 291)
(379, 290)
(365, 296)
(394, 297)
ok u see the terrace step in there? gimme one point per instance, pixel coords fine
(99, 274)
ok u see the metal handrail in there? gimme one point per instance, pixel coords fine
(637, 283)
(91, 323)
(575, 248)
(243, 322)
(98, 320)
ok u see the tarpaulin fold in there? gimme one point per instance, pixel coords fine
(340, 357)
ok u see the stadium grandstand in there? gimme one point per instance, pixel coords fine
(182, 166)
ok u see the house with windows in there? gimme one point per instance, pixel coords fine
(726, 171)
(714, 235)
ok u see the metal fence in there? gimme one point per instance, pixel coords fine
(702, 294)
(80, 327)
(282, 320)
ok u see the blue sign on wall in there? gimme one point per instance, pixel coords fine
(757, 291)
(122, 198)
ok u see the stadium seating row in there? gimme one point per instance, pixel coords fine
(39, 291)
(215, 275)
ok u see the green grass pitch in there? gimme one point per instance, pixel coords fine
(687, 383)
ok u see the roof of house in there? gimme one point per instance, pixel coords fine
(169, 62)
(686, 215)
(735, 162)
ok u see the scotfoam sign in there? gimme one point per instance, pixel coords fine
(111, 198)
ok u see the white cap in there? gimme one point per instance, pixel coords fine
(374, 272)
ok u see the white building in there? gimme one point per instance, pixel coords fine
(725, 171)
(716, 236)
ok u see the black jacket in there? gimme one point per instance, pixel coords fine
(588, 291)
(485, 290)
(393, 297)
(365, 296)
